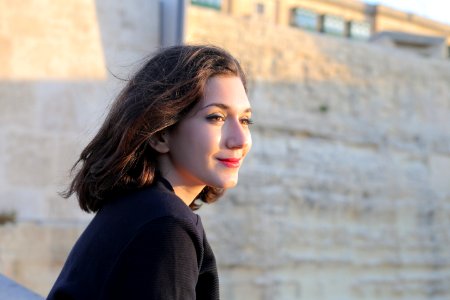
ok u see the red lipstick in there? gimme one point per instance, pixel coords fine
(230, 162)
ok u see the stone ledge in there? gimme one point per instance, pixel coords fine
(12, 290)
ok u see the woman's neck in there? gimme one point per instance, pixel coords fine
(187, 194)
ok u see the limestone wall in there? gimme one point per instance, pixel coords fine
(39, 39)
(45, 123)
(346, 193)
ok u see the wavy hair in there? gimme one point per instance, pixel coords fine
(160, 94)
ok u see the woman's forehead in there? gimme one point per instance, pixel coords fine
(226, 92)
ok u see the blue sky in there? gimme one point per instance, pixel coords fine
(438, 10)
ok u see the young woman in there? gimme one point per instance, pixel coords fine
(176, 134)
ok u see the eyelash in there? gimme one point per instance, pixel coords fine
(215, 118)
(219, 118)
(247, 121)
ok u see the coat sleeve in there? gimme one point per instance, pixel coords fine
(161, 262)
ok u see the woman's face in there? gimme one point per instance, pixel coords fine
(209, 145)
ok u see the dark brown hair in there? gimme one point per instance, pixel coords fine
(158, 96)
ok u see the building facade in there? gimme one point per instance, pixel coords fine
(345, 18)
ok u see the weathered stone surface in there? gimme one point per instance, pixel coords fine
(18, 105)
(44, 124)
(28, 159)
(60, 42)
(345, 192)
(33, 253)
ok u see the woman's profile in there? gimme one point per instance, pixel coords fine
(176, 135)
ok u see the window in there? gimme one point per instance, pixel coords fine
(216, 4)
(359, 30)
(334, 25)
(304, 18)
(260, 8)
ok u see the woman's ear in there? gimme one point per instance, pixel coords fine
(160, 142)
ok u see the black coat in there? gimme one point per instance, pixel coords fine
(145, 245)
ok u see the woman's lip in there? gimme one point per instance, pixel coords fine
(230, 162)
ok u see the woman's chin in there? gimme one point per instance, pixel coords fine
(228, 184)
(225, 181)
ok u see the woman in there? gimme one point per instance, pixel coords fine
(179, 131)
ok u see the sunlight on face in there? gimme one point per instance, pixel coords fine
(209, 146)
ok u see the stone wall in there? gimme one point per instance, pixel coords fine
(50, 40)
(346, 193)
(45, 123)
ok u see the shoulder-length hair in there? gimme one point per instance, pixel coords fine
(119, 158)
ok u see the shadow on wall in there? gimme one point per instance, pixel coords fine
(54, 91)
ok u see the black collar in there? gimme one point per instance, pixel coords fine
(165, 182)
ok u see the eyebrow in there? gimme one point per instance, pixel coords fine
(223, 106)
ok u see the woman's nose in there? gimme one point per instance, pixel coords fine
(237, 135)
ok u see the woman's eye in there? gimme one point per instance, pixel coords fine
(215, 118)
(247, 121)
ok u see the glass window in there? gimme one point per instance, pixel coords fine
(359, 30)
(304, 18)
(260, 8)
(334, 25)
(216, 4)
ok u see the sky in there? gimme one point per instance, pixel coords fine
(438, 10)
